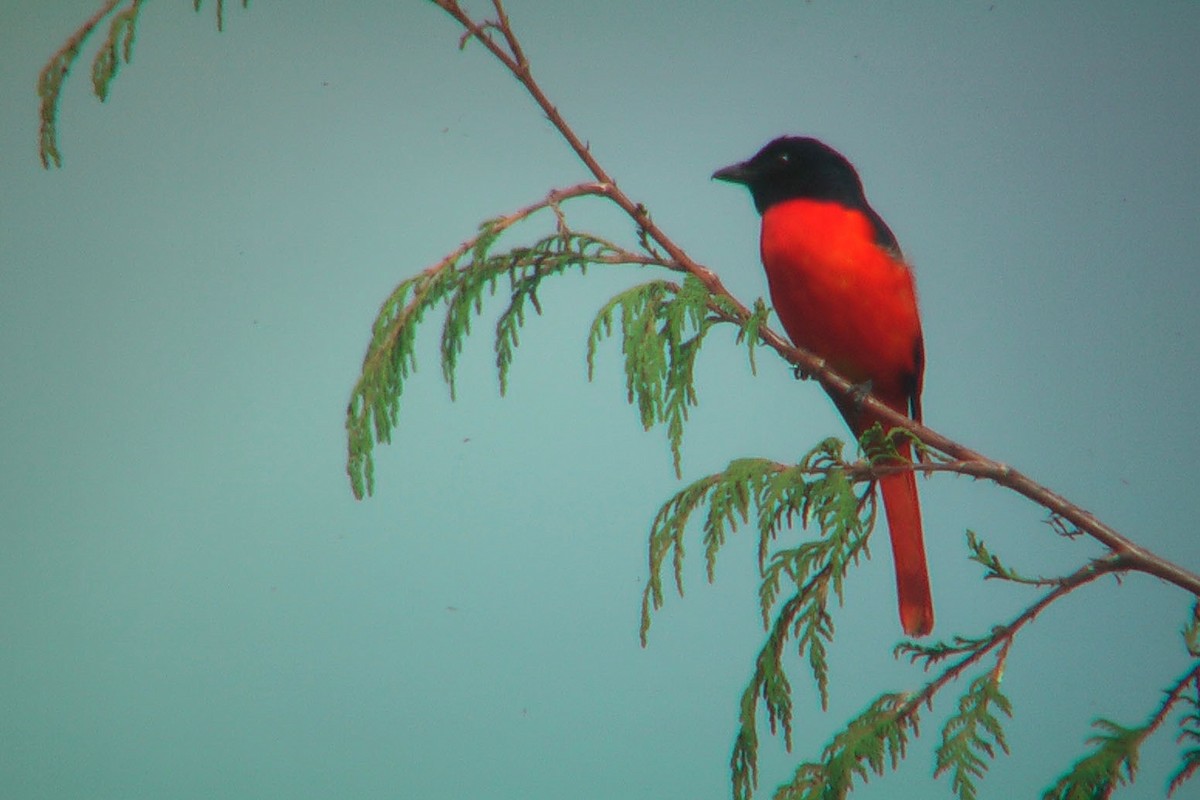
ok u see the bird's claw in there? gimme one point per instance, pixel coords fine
(859, 392)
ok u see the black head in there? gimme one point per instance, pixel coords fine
(799, 167)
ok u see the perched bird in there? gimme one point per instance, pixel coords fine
(842, 290)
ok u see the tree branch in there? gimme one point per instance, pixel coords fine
(1002, 636)
(965, 461)
(50, 81)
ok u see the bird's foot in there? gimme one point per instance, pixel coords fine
(859, 392)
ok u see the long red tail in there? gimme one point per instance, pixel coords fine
(908, 549)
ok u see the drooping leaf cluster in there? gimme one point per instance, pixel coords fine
(972, 735)
(460, 284)
(116, 48)
(662, 326)
(870, 743)
(1188, 692)
(1189, 735)
(1113, 760)
(798, 581)
(1112, 763)
(825, 493)
(876, 740)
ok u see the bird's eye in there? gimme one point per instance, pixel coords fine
(784, 158)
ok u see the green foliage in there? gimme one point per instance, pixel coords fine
(108, 58)
(524, 267)
(1187, 691)
(1191, 632)
(1189, 733)
(1189, 696)
(49, 88)
(981, 555)
(870, 743)
(996, 569)
(662, 327)
(116, 48)
(460, 283)
(1112, 763)
(1114, 760)
(750, 332)
(818, 491)
(932, 654)
(104, 67)
(971, 734)
(845, 518)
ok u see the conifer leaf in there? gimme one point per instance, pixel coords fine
(49, 87)
(662, 325)
(117, 47)
(872, 742)
(1111, 764)
(1191, 632)
(981, 555)
(50, 83)
(932, 654)
(1189, 734)
(971, 737)
(1187, 769)
(818, 491)
(750, 332)
(461, 284)
(996, 569)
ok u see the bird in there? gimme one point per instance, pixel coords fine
(843, 291)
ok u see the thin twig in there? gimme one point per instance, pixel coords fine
(552, 200)
(1173, 696)
(50, 83)
(1003, 636)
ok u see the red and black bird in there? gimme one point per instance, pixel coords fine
(843, 291)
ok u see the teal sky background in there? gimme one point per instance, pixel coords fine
(191, 603)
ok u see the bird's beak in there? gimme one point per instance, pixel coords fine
(735, 173)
